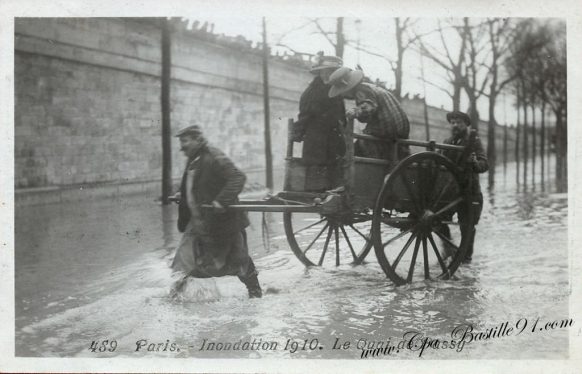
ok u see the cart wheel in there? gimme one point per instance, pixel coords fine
(318, 240)
(415, 210)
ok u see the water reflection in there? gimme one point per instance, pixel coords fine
(91, 271)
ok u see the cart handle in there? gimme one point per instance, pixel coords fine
(270, 208)
(431, 144)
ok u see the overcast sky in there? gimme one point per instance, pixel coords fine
(374, 34)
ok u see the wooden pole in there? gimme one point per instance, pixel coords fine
(288, 159)
(426, 125)
(533, 145)
(543, 145)
(525, 137)
(165, 102)
(268, 152)
(348, 166)
(505, 131)
(517, 130)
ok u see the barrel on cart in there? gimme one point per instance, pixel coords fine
(401, 208)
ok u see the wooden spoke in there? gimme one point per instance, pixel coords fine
(425, 255)
(358, 231)
(447, 240)
(396, 237)
(337, 259)
(403, 250)
(349, 243)
(308, 227)
(413, 261)
(426, 184)
(441, 194)
(413, 197)
(317, 237)
(436, 252)
(431, 184)
(396, 220)
(325, 246)
(449, 206)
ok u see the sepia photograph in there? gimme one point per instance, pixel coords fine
(280, 188)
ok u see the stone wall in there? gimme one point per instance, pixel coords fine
(87, 96)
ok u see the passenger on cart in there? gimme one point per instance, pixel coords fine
(379, 109)
(319, 126)
(478, 162)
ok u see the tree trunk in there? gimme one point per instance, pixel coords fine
(267, 111)
(166, 108)
(561, 151)
(543, 144)
(457, 88)
(517, 130)
(491, 150)
(525, 138)
(340, 39)
(505, 131)
(399, 61)
(533, 146)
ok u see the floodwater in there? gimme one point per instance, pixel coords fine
(98, 272)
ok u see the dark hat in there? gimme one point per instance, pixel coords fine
(326, 62)
(192, 130)
(458, 114)
(344, 79)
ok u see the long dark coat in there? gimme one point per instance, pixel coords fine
(216, 178)
(319, 125)
(481, 166)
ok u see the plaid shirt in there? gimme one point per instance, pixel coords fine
(388, 120)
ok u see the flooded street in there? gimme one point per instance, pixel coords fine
(93, 271)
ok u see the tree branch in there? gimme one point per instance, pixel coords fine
(323, 32)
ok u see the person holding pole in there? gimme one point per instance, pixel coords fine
(477, 161)
(214, 243)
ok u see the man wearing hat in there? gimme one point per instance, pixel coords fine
(214, 242)
(320, 121)
(378, 108)
(461, 124)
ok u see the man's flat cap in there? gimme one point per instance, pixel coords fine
(460, 115)
(192, 130)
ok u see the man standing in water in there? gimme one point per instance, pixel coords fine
(214, 242)
(461, 123)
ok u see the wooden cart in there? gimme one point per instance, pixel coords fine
(396, 208)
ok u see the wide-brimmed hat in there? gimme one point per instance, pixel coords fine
(344, 79)
(460, 115)
(326, 62)
(192, 130)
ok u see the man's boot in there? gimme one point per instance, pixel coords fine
(469, 255)
(253, 287)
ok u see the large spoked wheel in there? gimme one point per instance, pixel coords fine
(319, 240)
(414, 233)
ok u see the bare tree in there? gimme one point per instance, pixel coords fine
(475, 80)
(558, 101)
(404, 40)
(501, 39)
(339, 42)
(539, 61)
(451, 61)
